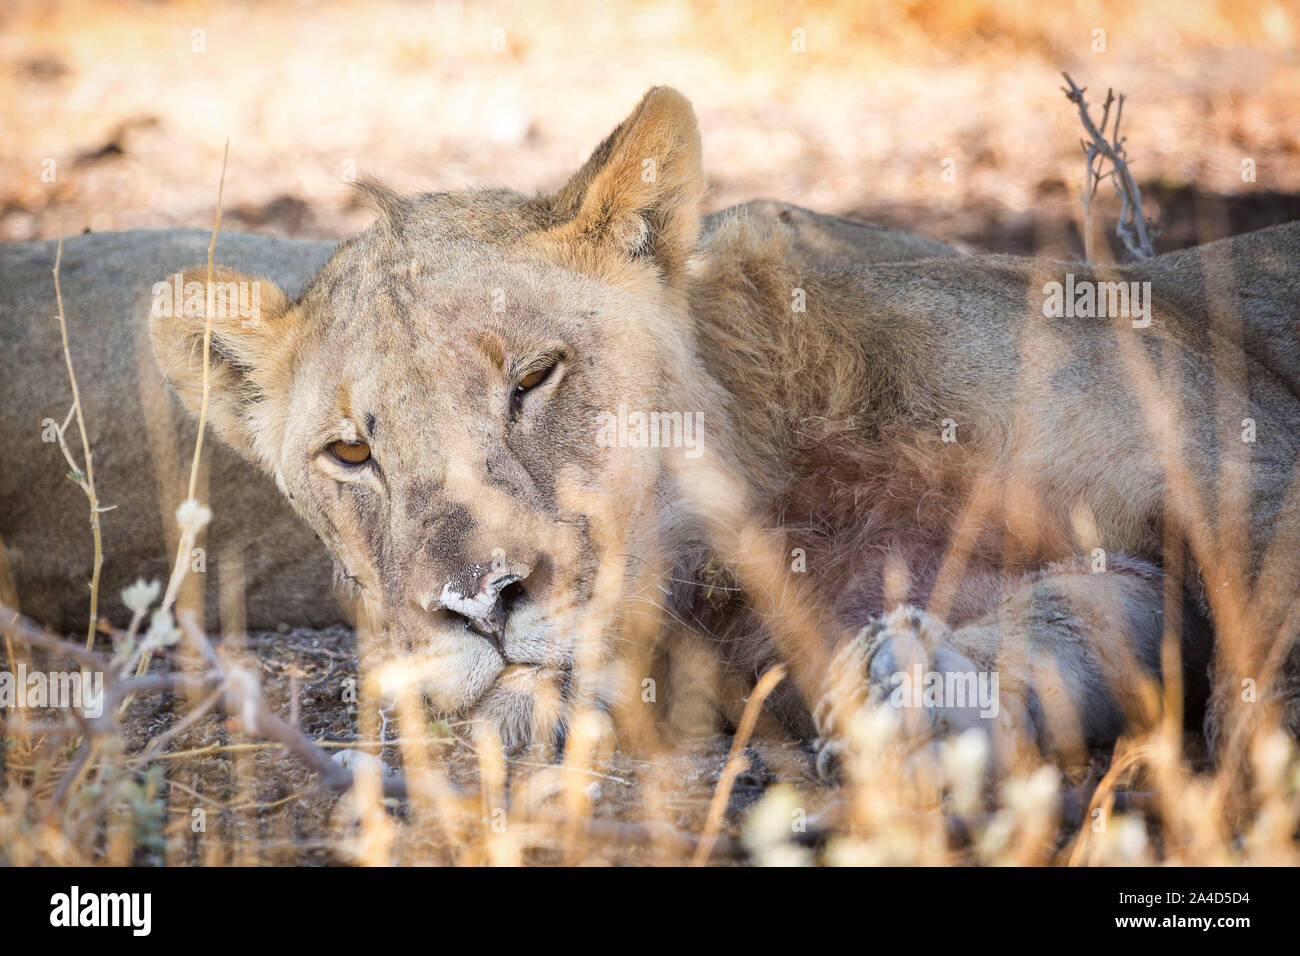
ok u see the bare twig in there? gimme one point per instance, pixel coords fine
(19, 628)
(241, 697)
(84, 478)
(1133, 228)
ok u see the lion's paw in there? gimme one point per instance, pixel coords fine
(902, 662)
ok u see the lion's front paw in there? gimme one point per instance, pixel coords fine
(902, 664)
(537, 707)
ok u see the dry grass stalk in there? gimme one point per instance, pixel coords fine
(85, 479)
(736, 762)
(191, 528)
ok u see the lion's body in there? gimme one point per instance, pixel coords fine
(1057, 441)
(143, 439)
(869, 436)
(141, 436)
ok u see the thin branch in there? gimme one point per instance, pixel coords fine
(86, 478)
(241, 697)
(1133, 228)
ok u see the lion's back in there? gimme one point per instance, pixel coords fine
(141, 438)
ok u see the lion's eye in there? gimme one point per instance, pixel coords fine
(351, 452)
(533, 379)
(526, 385)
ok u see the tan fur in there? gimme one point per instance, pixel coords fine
(143, 440)
(1070, 437)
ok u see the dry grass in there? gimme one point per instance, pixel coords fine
(215, 794)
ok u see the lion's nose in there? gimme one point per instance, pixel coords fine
(482, 594)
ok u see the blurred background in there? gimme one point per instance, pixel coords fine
(115, 112)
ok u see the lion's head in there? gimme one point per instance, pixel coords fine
(449, 403)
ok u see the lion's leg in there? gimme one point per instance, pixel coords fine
(537, 706)
(1062, 663)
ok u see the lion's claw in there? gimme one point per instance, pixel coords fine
(893, 662)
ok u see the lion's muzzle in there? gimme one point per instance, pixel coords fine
(483, 595)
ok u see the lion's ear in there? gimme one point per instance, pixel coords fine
(251, 329)
(639, 193)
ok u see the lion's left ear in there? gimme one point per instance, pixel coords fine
(638, 196)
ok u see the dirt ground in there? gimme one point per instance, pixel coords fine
(263, 806)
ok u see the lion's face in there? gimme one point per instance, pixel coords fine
(437, 407)
(442, 437)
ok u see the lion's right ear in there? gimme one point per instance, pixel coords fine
(252, 328)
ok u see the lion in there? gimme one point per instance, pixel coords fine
(143, 440)
(539, 435)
